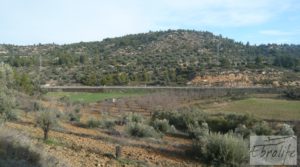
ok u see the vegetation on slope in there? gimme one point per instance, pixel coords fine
(17, 149)
(171, 57)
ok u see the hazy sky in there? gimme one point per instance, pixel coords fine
(67, 21)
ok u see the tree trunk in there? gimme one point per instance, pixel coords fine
(118, 152)
(46, 135)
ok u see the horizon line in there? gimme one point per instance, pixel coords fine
(150, 31)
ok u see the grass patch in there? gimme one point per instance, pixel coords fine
(93, 97)
(53, 142)
(264, 108)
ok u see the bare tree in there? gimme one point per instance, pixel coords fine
(120, 105)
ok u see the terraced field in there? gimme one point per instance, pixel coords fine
(265, 108)
(93, 97)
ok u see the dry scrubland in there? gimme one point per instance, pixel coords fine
(153, 129)
(156, 128)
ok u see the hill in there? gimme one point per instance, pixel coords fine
(173, 57)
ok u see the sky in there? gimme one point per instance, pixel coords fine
(26, 22)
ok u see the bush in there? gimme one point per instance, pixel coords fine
(237, 119)
(225, 123)
(161, 125)
(17, 149)
(104, 123)
(174, 117)
(292, 93)
(218, 124)
(243, 131)
(262, 128)
(173, 130)
(141, 130)
(218, 149)
(77, 110)
(60, 114)
(287, 130)
(64, 99)
(108, 124)
(93, 123)
(181, 118)
(75, 115)
(198, 131)
(193, 117)
(133, 117)
(7, 104)
(37, 106)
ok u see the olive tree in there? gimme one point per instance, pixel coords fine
(7, 100)
(6, 76)
(7, 104)
(46, 119)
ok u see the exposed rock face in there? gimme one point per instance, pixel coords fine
(243, 79)
(223, 80)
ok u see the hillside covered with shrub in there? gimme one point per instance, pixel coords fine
(173, 57)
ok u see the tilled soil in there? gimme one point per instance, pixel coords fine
(82, 147)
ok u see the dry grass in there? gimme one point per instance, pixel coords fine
(17, 149)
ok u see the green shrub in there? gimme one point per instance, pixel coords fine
(141, 130)
(59, 114)
(17, 149)
(218, 124)
(65, 99)
(286, 129)
(221, 150)
(198, 131)
(181, 118)
(74, 116)
(262, 128)
(37, 106)
(161, 125)
(237, 119)
(174, 117)
(193, 117)
(173, 130)
(108, 124)
(133, 117)
(292, 93)
(77, 110)
(229, 122)
(7, 105)
(243, 131)
(104, 123)
(93, 123)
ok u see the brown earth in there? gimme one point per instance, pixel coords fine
(244, 79)
(80, 146)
